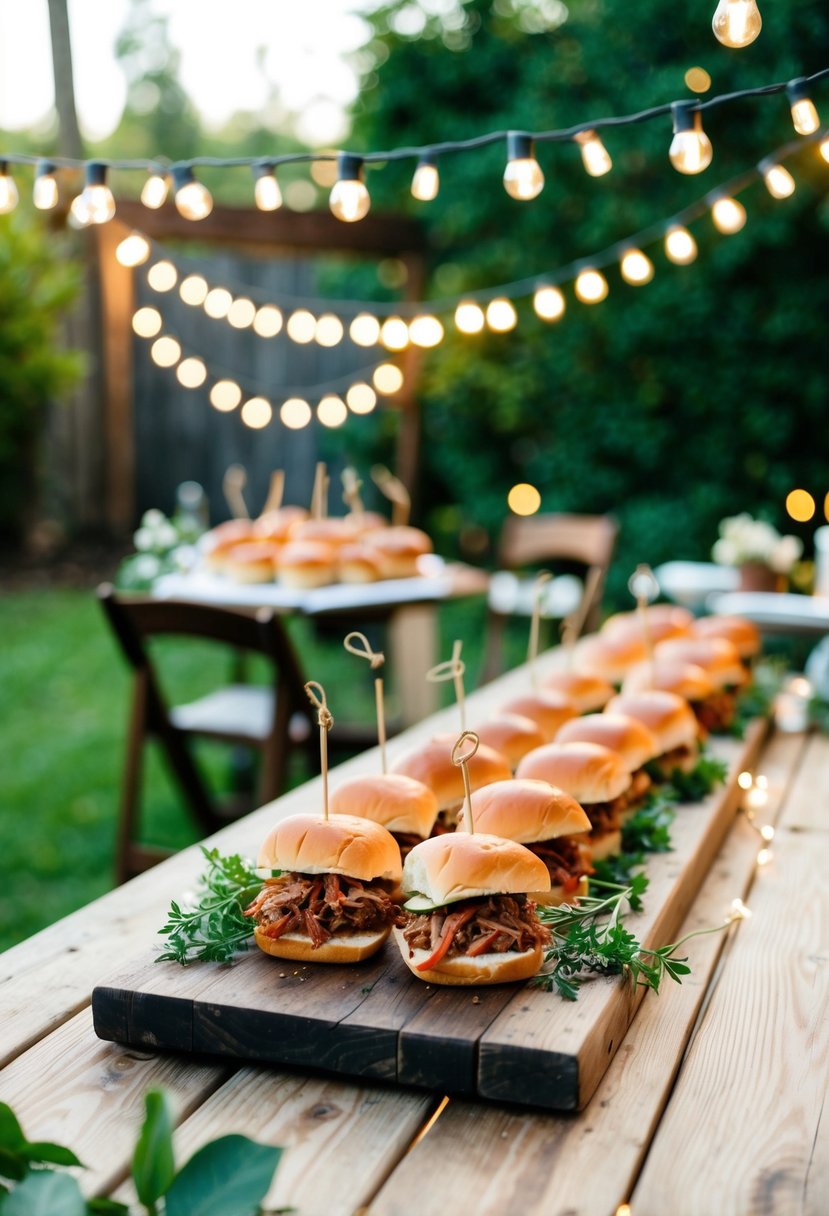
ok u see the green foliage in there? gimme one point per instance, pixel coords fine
(214, 927)
(231, 1174)
(648, 831)
(153, 1163)
(695, 785)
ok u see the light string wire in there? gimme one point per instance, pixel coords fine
(162, 165)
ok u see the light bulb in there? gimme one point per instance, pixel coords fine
(193, 200)
(329, 330)
(154, 191)
(469, 317)
(779, 182)
(266, 192)
(268, 321)
(737, 22)
(501, 316)
(146, 322)
(332, 410)
(45, 194)
(591, 286)
(690, 149)
(225, 395)
(349, 199)
(394, 333)
(217, 303)
(133, 250)
(387, 379)
(241, 313)
(295, 413)
(728, 215)
(301, 327)
(823, 148)
(361, 398)
(680, 246)
(162, 276)
(636, 267)
(193, 290)
(804, 114)
(595, 156)
(426, 331)
(95, 204)
(548, 303)
(426, 180)
(523, 178)
(165, 352)
(8, 190)
(364, 330)
(256, 413)
(191, 373)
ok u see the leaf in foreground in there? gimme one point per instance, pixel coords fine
(45, 1193)
(153, 1165)
(229, 1175)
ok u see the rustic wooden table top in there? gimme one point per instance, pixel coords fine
(711, 1106)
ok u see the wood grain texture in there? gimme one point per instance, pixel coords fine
(808, 808)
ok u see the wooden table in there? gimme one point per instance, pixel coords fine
(712, 1105)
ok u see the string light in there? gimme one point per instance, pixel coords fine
(823, 148)
(217, 303)
(193, 290)
(591, 286)
(737, 23)
(162, 276)
(95, 204)
(266, 192)
(191, 373)
(800, 505)
(155, 190)
(394, 333)
(256, 413)
(548, 303)
(523, 178)
(690, 150)
(268, 321)
(165, 352)
(349, 199)
(738, 910)
(329, 330)
(728, 214)
(295, 413)
(469, 317)
(595, 156)
(387, 379)
(779, 182)
(332, 411)
(133, 250)
(301, 326)
(636, 267)
(426, 331)
(193, 200)
(804, 115)
(241, 313)
(45, 191)
(225, 395)
(361, 398)
(680, 246)
(501, 316)
(364, 330)
(426, 180)
(147, 322)
(523, 499)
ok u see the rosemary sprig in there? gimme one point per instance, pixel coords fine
(213, 928)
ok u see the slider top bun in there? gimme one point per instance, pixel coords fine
(548, 709)
(458, 865)
(587, 692)
(587, 771)
(306, 553)
(663, 621)
(366, 521)
(686, 680)
(399, 803)
(603, 654)
(743, 634)
(717, 656)
(341, 844)
(275, 525)
(512, 735)
(399, 541)
(625, 735)
(334, 531)
(525, 810)
(668, 716)
(223, 537)
(431, 763)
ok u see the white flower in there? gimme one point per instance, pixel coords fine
(166, 535)
(725, 552)
(152, 518)
(745, 539)
(785, 553)
(147, 566)
(144, 538)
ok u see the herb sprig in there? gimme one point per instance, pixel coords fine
(213, 928)
(695, 785)
(649, 830)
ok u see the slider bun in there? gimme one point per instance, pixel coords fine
(275, 525)
(606, 844)
(458, 865)
(512, 735)
(306, 564)
(744, 635)
(219, 540)
(398, 549)
(341, 844)
(667, 715)
(399, 803)
(587, 771)
(608, 656)
(525, 810)
(663, 621)
(623, 734)
(502, 968)
(251, 562)
(717, 656)
(686, 680)
(341, 948)
(334, 531)
(358, 564)
(366, 521)
(431, 763)
(549, 710)
(586, 692)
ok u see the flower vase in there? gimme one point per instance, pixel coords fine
(756, 576)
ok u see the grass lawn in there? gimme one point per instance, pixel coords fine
(64, 694)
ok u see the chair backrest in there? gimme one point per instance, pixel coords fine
(587, 539)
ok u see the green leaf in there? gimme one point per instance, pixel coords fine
(12, 1165)
(229, 1175)
(53, 1154)
(106, 1207)
(11, 1133)
(45, 1193)
(153, 1165)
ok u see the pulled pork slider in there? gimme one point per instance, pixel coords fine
(398, 549)
(608, 656)
(548, 709)
(549, 822)
(358, 564)
(513, 735)
(331, 903)
(252, 563)
(662, 621)
(685, 680)
(306, 564)
(671, 720)
(405, 807)
(469, 918)
(275, 525)
(336, 530)
(719, 659)
(432, 765)
(588, 693)
(743, 635)
(598, 780)
(622, 734)
(218, 542)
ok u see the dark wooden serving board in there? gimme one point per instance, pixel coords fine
(510, 1044)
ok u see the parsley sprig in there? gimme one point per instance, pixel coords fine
(707, 773)
(213, 927)
(649, 830)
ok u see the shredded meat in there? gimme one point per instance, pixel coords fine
(490, 925)
(605, 816)
(566, 859)
(664, 765)
(406, 841)
(716, 713)
(321, 905)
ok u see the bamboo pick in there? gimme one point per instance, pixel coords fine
(395, 491)
(573, 625)
(452, 669)
(376, 659)
(316, 695)
(541, 579)
(462, 760)
(319, 494)
(275, 492)
(643, 586)
(233, 482)
(351, 491)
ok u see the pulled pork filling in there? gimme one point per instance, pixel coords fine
(492, 924)
(605, 816)
(678, 757)
(568, 860)
(716, 713)
(321, 905)
(406, 841)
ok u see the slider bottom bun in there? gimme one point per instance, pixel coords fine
(459, 970)
(607, 844)
(557, 895)
(341, 948)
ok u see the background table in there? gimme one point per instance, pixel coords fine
(712, 1104)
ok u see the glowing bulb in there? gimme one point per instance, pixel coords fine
(523, 178)
(256, 413)
(591, 286)
(426, 331)
(332, 410)
(804, 114)
(364, 330)
(595, 156)
(217, 303)
(154, 191)
(241, 313)
(295, 413)
(745, 781)
(266, 192)
(301, 327)
(523, 499)
(779, 182)
(268, 321)
(764, 857)
(800, 505)
(146, 322)
(162, 276)
(191, 373)
(636, 267)
(165, 352)
(225, 395)
(361, 398)
(728, 215)
(133, 250)
(426, 180)
(680, 246)
(349, 199)
(469, 317)
(95, 204)
(767, 832)
(45, 194)
(193, 289)
(394, 333)
(387, 379)
(548, 303)
(329, 330)
(739, 911)
(737, 22)
(690, 150)
(193, 200)
(501, 316)
(823, 148)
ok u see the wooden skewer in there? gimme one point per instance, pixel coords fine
(316, 695)
(376, 659)
(351, 491)
(643, 586)
(541, 579)
(394, 490)
(319, 495)
(276, 491)
(462, 758)
(233, 482)
(452, 669)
